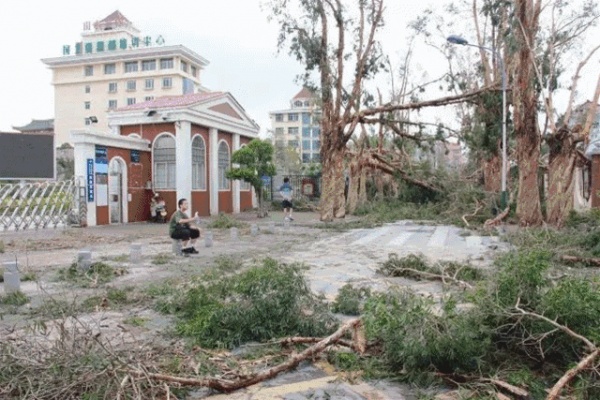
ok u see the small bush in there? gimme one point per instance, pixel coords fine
(264, 302)
(349, 300)
(162, 258)
(14, 299)
(98, 273)
(224, 221)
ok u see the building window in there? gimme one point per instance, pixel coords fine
(306, 132)
(148, 98)
(293, 144)
(87, 105)
(88, 70)
(130, 101)
(305, 118)
(164, 162)
(307, 103)
(87, 88)
(130, 85)
(131, 66)
(148, 65)
(306, 145)
(184, 66)
(223, 166)
(293, 130)
(292, 117)
(279, 117)
(279, 144)
(198, 164)
(305, 158)
(112, 104)
(110, 69)
(316, 132)
(194, 71)
(112, 87)
(167, 83)
(166, 63)
(278, 131)
(149, 84)
(87, 121)
(316, 158)
(297, 103)
(316, 145)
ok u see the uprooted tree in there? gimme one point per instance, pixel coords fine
(330, 39)
(250, 164)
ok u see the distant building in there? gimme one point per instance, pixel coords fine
(444, 155)
(37, 126)
(113, 66)
(298, 126)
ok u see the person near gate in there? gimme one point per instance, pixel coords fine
(286, 192)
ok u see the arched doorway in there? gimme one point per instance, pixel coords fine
(116, 189)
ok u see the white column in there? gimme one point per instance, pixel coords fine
(183, 152)
(81, 153)
(213, 141)
(236, 184)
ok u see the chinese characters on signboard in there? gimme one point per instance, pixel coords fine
(111, 45)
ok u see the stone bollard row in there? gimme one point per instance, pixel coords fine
(12, 278)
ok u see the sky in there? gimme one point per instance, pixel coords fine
(234, 35)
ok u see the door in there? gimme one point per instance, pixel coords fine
(115, 191)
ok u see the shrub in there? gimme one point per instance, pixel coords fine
(349, 300)
(98, 273)
(224, 221)
(264, 302)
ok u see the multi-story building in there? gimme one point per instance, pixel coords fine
(114, 66)
(298, 127)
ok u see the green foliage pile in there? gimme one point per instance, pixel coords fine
(406, 267)
(99, 273)
(350, 300)
(261, 303)
(488, 335)
(224, 221)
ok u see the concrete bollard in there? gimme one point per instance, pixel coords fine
(176, 247)
(272, 226)
(234, 233)
(135, 252)
(84, 260)
(208, 239)
(254, 230)
(12, 279)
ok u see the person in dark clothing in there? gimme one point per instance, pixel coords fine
(180, 229)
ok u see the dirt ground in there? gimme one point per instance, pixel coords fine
(334, 258)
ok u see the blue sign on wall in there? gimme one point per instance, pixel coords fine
(90, 180)
(101, 160)
(135, 156)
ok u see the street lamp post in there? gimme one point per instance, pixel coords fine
(454, 39)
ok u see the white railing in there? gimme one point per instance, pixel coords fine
(42, 204)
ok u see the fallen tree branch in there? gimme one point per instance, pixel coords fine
(570, 374)
(575, 259)
(464, 217)
(498, 218)
(436, 277)
(504, 386)
(224, 385)
(583, 364)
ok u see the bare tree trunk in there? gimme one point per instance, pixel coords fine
(354, 187)
(362, 191)
(332, 196)
(561, 168)
(492, 169)
(525, 115)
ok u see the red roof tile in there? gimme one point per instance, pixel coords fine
(116, 16)
(305, 93)
(174, 101)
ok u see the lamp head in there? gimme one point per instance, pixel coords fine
(455, 39)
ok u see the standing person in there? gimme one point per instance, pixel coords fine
(286, 192)
(180, 229)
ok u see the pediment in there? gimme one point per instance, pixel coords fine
(227, 109)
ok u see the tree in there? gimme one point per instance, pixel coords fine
(251, 163)
(330, 53)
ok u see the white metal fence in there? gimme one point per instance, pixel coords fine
(35, 205)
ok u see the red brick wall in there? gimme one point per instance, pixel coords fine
(138, 174)
(149, 131)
